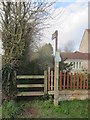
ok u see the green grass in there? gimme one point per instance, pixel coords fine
(11, 109)
(66, 109)
(45, 109)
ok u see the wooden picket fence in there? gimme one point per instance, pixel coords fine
(68, 81)
(68, 86)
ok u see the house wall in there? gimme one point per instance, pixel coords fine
(84, 46)
(85, 65)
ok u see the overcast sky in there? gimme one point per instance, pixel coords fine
(70, 19)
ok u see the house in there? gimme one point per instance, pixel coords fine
(81, 58)
(85, 42)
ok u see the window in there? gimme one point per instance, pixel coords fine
(79, 64)
(73, 64)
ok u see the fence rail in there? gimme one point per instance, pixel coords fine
(30, 76)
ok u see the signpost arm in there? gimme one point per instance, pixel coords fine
(56, 40)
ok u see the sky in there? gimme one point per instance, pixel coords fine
(70, 18)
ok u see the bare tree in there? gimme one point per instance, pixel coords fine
(21, 23)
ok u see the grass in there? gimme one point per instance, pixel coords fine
(11, 109)
(45, 109)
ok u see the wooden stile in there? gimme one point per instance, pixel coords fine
(51, 80)
(32, 85)
(60, 80)
(48, 78)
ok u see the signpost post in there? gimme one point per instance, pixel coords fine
(56, 68)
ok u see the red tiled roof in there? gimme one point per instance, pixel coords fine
(76, 55)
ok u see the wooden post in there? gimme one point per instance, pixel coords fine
(64, 80)
(81, 81)
(45, 82)
(60, 80)
(84, 81)
(87, 82)
(51, 80)
(56, 85)
(77, 76)
(56, 76)
(74, 80)
(68, 80)
(15, 81)
(48, 78)
(71, 81)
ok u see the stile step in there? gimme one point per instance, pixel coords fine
(29, 85)
(30, 94)
(30, 76)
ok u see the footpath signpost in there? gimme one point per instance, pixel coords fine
(56, 68)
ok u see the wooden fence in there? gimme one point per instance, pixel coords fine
(26, 85)
(69, 81)
(70, 85)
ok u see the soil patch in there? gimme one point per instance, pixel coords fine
(30, 113)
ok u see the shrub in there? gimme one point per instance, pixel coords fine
(9, 81)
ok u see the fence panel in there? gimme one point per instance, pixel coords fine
(72, 81)
(69, 81)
